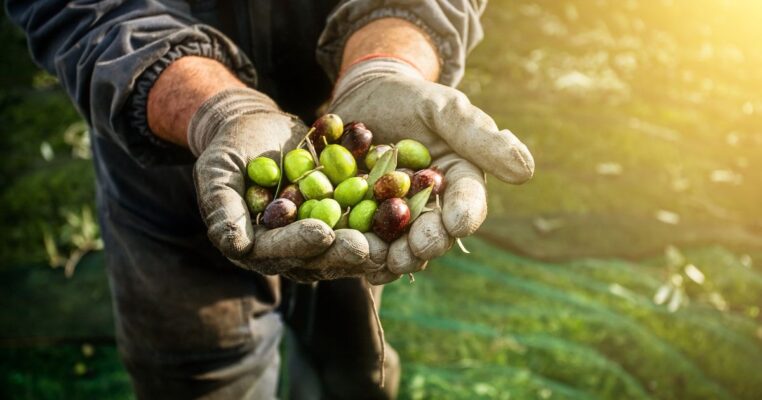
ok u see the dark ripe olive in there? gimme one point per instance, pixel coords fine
(292, 193)
(391, 184)
(330, 127)
(428, 177)
(257, 198)
(391, 219)
(280, 212)
(357, 139)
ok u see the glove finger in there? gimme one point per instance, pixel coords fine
(428, 238)
(377, 251)
(401, 260)
(301, 239)
(464, 205)
(381, 277)
(348, 251)
(270, 266)
(220, 185)
(474, 135)
(305, 275)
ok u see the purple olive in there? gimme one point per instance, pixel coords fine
(391, 184)
(391, 219)
(327, 128)
(292, 193)
(280, 212)
(425, 178)
(357, 139)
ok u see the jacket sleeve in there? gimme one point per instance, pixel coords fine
(107, 55)
(453, 26)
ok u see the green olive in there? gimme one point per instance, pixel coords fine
(361, 216)
(257, 198)
(263, 171)
(338, 163)
(306, 208)
(316, 186)
(328, 211)
(412, 154)
(374, 154)
(351, 191)
(296, 163)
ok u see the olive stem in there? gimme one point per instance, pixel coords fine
(301, 142)
(462, 247)
(379, 331)
(311, 148)
(277, 189)
(304, 175)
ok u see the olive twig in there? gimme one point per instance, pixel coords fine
(462, 247)
(277, 189)
(306, 174)
(379, 331)
(305, 138)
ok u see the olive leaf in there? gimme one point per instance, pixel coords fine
(418, 202)
(386, 163)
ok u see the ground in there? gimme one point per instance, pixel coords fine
(628, 268)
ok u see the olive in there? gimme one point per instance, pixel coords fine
(257, 198)
(391, 184)
(409, 172)
(357, 139)
(280, 212)
(296, 163)
(328, 211)
(351, 191)
(306, 208)
(338, 163)
(361, 216)
(263, 171)
(292, 193)
(412, 154)
(330, 127)
(374, 154)
(428, 177)
(316, 186)
(391, 219)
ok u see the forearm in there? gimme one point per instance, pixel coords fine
(180, 90)
(395, 37)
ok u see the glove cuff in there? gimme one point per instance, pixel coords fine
(369, 69)
(221, 109)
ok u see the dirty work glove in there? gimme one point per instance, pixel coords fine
(228, 130)
(395, 102)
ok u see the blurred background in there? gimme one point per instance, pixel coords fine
(629, 268)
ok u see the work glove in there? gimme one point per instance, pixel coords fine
(228, 130)
(395, 102)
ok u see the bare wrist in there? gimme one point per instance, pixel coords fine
(180, 90)
(393, 37)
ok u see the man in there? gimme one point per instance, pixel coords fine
(180, 95)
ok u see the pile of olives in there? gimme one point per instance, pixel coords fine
(344, 180)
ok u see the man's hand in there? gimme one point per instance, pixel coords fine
(230, 126)
(387, 88)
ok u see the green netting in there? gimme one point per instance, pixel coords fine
(595, 330)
